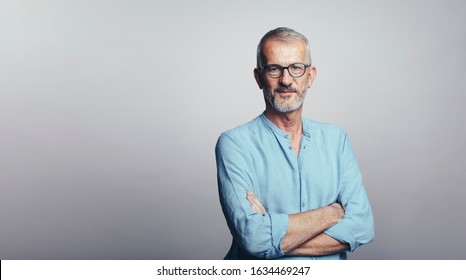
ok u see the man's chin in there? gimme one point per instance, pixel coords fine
(286, 108)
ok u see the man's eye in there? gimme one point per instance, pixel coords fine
(273, 69)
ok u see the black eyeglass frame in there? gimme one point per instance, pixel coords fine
(282, 69)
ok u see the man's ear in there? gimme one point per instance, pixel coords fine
(257, 76)
(312, 76)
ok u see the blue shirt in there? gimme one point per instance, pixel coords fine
(257, 156)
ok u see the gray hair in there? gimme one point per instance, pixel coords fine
(280, 33)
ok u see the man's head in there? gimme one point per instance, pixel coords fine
(284, 70)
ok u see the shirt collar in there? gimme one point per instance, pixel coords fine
(280, 132)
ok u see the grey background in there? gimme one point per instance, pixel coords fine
(110, 110)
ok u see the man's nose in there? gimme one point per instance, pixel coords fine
(286, 79)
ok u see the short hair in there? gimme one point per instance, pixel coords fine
(280, 33)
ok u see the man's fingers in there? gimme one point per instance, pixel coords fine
(258, 209)
(256, 205)
(254, 208)
(338, 210)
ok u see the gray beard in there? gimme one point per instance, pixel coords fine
(282, 108)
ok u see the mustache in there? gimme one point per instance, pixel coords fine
(283, 88)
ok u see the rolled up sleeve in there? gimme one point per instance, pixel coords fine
(357, 226)
(257, 235)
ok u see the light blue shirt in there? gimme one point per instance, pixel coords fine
(257, 156)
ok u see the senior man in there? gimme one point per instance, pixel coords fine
(290, 187)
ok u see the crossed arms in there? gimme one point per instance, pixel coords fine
(305, 230)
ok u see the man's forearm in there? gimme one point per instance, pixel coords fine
(320, 245)
(306, 226)
(303, 227)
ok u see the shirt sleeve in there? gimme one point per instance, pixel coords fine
(357, 226)
(257, 235)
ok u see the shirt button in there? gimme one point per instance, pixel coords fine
(291, 148)
(303, 204)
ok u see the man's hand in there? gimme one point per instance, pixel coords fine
(339, 212)
(256, 205)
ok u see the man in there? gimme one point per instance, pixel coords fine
(290, 187)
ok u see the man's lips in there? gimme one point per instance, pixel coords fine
(285, 91)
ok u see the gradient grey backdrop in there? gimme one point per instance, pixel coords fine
(110, 111)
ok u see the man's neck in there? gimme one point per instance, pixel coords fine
(290, 122)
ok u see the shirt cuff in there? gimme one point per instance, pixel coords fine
(343, 233)
(279, 227)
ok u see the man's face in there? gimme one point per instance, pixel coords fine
(285, 93)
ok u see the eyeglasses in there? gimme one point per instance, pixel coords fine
(276, 71)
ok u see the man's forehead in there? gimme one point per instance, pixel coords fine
(280, 47)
